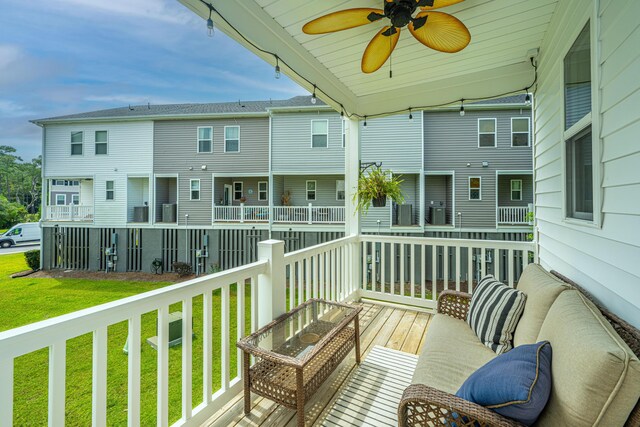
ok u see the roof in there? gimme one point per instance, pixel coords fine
(172, 111)
(188, 110)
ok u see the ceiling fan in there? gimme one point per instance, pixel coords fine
(437, 30)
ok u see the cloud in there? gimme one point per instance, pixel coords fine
(148, 9)
(17, 67)
(9, 108)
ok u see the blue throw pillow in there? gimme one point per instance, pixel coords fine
(515, 384)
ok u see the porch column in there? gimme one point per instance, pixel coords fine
(351, 172)
(272, 294)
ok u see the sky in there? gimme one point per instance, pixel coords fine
(68, 56)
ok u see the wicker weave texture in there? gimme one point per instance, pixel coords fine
(425, 406)
(277, 382)
(454, 304)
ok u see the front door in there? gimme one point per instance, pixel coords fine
(227, 195)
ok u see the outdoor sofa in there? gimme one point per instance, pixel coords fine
(595, 369)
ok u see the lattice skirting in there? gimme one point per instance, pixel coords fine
(372, 394)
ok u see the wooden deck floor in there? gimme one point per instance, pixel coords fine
(390, 327)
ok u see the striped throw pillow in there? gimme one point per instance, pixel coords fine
(494, 312)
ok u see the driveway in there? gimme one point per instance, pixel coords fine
(19, 248)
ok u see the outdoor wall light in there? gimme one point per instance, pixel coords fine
(190, 168)
(203, 167)
(485, 164)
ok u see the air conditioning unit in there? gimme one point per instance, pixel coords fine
(141, 214)
(169, 212)
(437, 215)
(404, 215)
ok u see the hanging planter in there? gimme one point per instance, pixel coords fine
(375, 186)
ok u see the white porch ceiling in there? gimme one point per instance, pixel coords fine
(495, 62)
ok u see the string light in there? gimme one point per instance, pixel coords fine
(410, 115)
(365, 121)
(277, 68)
(527, 98)
(357, 115)
(210, 30)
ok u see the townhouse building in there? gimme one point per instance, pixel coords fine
(203, 183)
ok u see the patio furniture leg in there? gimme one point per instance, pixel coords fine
(300, 397)
(356, 324)
(246, 358)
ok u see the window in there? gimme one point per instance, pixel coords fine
(194, 188)
(76, 183)
(520, 131)
(15, 232)
(61, 199)
(486, 132)
(232, 139)
(101, 142)
(579, 160)
(580, 176)
(110, 190)
(311, 190)
(76, 143)
(205, 139)
(238, 190)
(475, 188)
(516, 189)
(340, 193)
(75, 199)
(319, 133)
(263, 190)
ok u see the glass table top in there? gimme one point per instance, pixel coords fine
(296, 335)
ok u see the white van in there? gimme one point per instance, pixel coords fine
(21, 233)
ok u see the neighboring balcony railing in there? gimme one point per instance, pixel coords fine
(240, 214)
(69, 213)
(513, 215)
(309, 214)
(406, 270)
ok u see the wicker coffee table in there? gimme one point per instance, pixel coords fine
(296, 352)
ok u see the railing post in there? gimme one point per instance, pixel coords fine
(241, 212)
(271, 284)
(309, 218)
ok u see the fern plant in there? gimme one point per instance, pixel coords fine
(375, 186)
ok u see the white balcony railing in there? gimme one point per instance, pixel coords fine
(309, 214)
(513, 215)
(69, 213)
(240, 214)
(405, 270)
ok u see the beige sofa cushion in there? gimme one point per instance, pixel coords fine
(542, 288)
(596, 377)
(451, 353)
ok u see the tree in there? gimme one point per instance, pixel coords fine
(20, 182)
(11, 213)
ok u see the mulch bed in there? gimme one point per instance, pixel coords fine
(101, 275)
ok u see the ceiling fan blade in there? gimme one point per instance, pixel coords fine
(342, 20)
(442, 32)
(379, 49)
(437, 4)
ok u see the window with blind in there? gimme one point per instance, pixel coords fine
(579, 164)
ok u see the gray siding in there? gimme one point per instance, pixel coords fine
(396, 141)
(438, 189)
(325, 190)
(291, 149)
(248, 183)
(175, 146)
(451, 142)
(411, 191)
(504, 190)
(166, 192)
(199, 211)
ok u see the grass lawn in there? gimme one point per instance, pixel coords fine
(27, 300)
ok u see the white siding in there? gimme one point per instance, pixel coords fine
(130, 153)
(604, 260)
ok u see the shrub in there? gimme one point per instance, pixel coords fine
(182, 268)
(33, 259)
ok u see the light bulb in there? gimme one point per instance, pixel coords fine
(365, 121)
(527, 99)
(277, 71)
(410, 115)
(462, 111)
(314, 99)
(210, 29)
